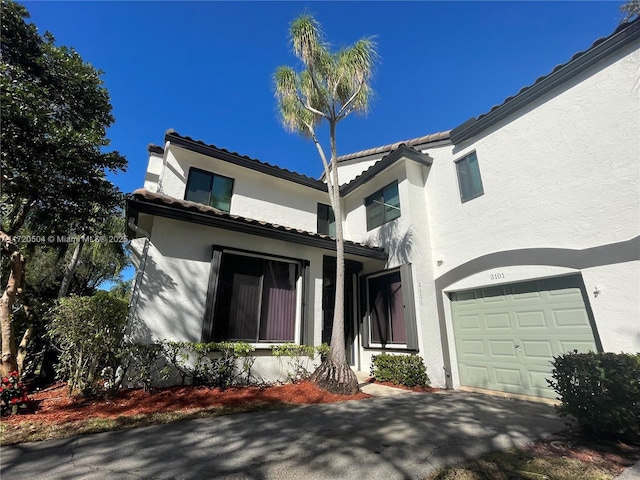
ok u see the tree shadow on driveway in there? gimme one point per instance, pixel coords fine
(404, 436)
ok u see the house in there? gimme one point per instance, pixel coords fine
(486, 249)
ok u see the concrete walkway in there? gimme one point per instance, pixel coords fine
(394, 437)
(376, 389)
(631, 473)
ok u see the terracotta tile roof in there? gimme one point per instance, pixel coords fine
(242, 160)
(623, 35)
(402, 151)
(434, 137)
(151, 148)
(165, 200)
(576, 56)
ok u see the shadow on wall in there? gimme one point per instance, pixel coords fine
(156, 286)
(398, 245)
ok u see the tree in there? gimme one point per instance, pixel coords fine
(330, 87)
(55, 113)
(88, 332)
(631, 10)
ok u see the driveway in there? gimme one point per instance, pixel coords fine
(396, 437)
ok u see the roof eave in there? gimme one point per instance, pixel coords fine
(136, 206)
(474, 126)
(211, 151)
(401, 152)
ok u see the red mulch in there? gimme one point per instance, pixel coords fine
(54, 406)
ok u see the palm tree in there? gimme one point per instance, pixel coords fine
(330, 87)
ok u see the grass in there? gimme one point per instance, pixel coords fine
(29, 431)
(518, 464)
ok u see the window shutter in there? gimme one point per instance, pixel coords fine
(306, 327)
(409, 307)
(364, 319)
(212, 289)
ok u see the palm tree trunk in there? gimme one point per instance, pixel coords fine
(334, 374)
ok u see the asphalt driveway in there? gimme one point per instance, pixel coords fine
(397, 437)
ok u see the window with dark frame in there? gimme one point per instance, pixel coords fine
(469, 177)
(256, 299)
(209, 189)
(382, 206)
(326, 220)
(386, 309)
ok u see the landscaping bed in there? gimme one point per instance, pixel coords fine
(56, 415)
(564, 456)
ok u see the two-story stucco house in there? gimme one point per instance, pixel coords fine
(486, 249)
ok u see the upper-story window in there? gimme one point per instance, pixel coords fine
(326, 220)
(209, 189)
(469, 177)
(383, 206)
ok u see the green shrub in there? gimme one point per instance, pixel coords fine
(408, 370)
(141, 362)
(88, 334)
(297, 369)
(601, 390)
(211, 364)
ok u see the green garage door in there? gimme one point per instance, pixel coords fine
(506, 336)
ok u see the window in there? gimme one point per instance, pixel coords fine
(255, 299)
(469, 177)
(326, 220)
(390, 309)
(209, 189)
(383, 206)
(386, 315)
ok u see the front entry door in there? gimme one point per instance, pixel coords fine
(328, 302)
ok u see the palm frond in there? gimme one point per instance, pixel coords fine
(306, 38)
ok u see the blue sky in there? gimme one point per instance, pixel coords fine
(204, 68)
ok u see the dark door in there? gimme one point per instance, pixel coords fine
(328, 302)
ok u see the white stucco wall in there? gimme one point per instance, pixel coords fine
(154, 170)
(255, 195)
(406, 240)
(349, 170)
(561, 174)
(564, 173)
(172, 295)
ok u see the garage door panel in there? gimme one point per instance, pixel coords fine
(586, 345)
(516, 331)
(539, 385)
(502, 348)
(570, 317)
(497, 320)
(473, 348)
(469, 322)
(531, 319)
(479, 375)
(510, 377)
(537, 349)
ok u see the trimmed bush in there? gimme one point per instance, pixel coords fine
(88, 333)
(408, 370)
(601, 390)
